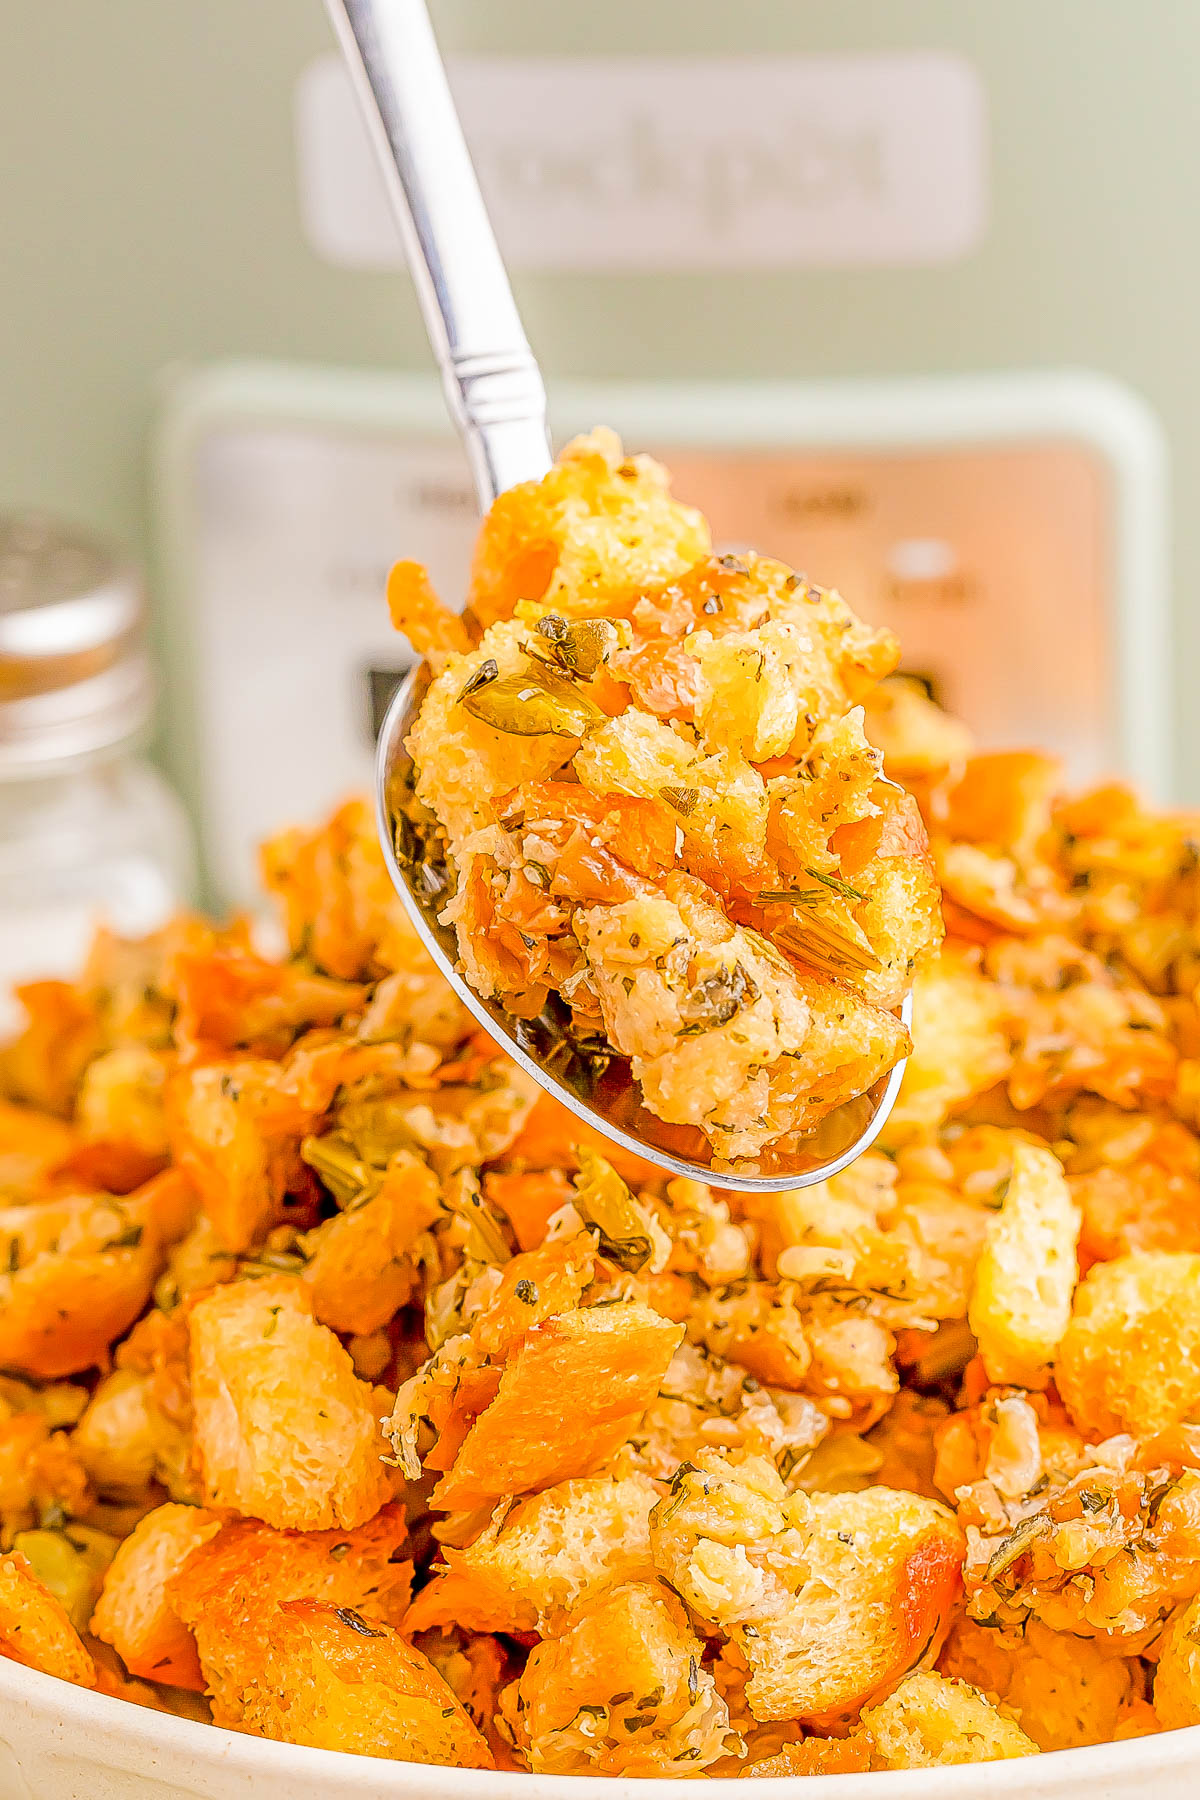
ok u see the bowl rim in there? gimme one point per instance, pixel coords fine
(166, 1734)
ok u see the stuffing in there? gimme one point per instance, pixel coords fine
(659, 805)
(354, 1396)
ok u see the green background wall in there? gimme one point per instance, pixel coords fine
(148, 215)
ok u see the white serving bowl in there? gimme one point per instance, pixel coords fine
(59, 1742)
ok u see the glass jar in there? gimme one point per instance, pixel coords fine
(89, 830)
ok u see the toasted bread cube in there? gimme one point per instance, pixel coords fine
(960, 1048)
(134, 1614)
(1003, 797)
(284, 1430)
(80, 1270)
(326, 1677)
(216, 1133)
(1177, 1680)
(1020, 1301)
(462, 762)
(230, 1589)
(1130, 1358)
(359, 1269)
(340, 909)
(830, 1598)
(35, 1629)
(930, 1721)
(125, 1440)
(543, 1557)
(39, 1469)
(724, 826)
(813, 1756)
(622, 1692)
(598, 521)
(568, 1398)
(1065, 1691)
(121, 1100)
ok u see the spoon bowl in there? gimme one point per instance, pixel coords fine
(586, 1076)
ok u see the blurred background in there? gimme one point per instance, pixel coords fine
(907, 293)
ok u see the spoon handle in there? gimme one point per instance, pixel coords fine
(493, 385)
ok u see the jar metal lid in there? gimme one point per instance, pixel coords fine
(74, 677)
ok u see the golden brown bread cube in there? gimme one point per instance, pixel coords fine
(829, 1598)
(125, 1440)
(359, 1267)
(328, 1677)
(79, 1270)
(134, 1613)
(1130, 1357)
(543, 1557)
(35, 1629)
(284, 1430)
(229, 1590)
(960, 1046)
(567, 1399)
(1063, 1690)
(1177, 1678)
(621, 1692)
(1020, 1302)
(930, 1721)
(40, 1471)
(573, 537)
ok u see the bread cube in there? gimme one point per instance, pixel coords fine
(229, 1590)
(327, 1677)
(1129, 1359)
(134, 1613)
(284, 1430)
(80, 1270)
(1020, 1301)
(931, 1721)
(830, 1598)
(621, 1692)
(359, 1269)
(543, 1557)
(1177, 1679)
(1064, 1690)
(35, 1629)
(567, 1398)
(960, 1046)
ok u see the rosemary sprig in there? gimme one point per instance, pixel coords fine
(839, 887)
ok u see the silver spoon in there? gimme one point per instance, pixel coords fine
(496, 398)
